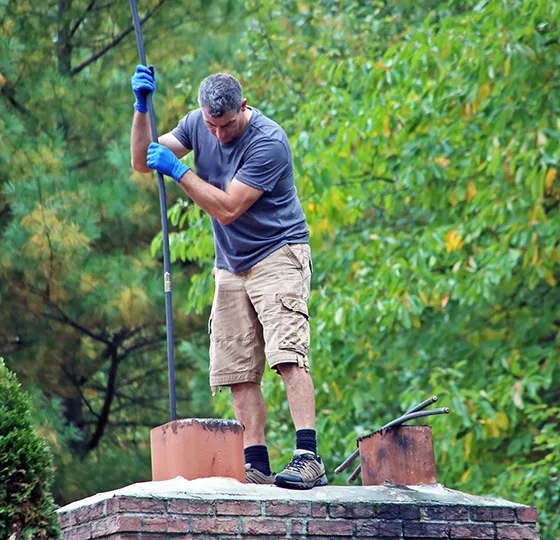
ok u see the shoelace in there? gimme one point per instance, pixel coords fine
(298, 462)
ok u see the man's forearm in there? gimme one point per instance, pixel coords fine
(219, 204)
(140, 139)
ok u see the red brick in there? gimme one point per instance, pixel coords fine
(352, 510)
(137, 536)
(289, 508)
(264, 526)
(473, 530)
(170, 524)
(426, 530)
(526, 514)
(446, 513)
(186, 506)
(88, 513)
(378, 528)
(397, 511)
(298, 526)
(215, 525)
(143, 505)
(78, 533)
(239, 508)
(116, 524)
(318, 509)
(65, 519)
(132, 536)
(245, 537)
(329, 537)
(330, 527)
(492, 513)
(517, 532)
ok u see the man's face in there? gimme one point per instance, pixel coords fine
(228, 126)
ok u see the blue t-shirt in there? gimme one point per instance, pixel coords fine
(260, 157)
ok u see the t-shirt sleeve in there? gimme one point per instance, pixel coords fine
(183, 131)
(266, 162)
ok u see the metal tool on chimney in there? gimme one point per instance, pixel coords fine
(398, 454)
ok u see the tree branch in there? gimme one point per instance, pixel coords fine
(64, 319)
(115, 41)
(79, 389)
(109, 396)
(80, 20)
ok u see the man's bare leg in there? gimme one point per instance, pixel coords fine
(306, 469)
(301, 395)
(250, 410)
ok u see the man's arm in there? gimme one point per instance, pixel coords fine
(143, 84)
(140, 139)
(225, 206)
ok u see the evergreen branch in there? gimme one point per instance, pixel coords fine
(84, 163)
(47, 233)
(79, 389)
(109, 396)
(143, 376)
(104, 6)
(135, 402)
(146, 342)
(64, 319)
(80, 20)
(8, 90)
(115, 41)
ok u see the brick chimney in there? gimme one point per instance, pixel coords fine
(220, 508)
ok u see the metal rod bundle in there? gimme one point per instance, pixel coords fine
(415, 412)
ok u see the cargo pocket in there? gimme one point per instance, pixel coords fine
(294, 325)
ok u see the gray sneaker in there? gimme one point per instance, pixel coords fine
(254, 476)
(305, 471)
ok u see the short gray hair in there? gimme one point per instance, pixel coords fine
(220, 93)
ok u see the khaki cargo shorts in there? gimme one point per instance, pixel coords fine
(260, 314)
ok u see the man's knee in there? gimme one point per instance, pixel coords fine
(245, 388)
(291, 369)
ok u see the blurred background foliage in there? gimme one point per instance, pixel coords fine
(425, 138)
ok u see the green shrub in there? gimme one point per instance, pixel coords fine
(27, 509)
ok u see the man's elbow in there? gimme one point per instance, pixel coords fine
(226, 220)
(227, 217)
(140, 166)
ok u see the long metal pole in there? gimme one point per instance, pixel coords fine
(163, 207)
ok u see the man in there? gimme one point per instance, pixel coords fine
(244, 179)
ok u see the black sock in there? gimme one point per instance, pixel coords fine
(257, 456)
(306, 439)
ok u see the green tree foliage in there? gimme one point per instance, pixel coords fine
(82, 299)
(27, 509)
(425, 140)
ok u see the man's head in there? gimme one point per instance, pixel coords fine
(223, 107)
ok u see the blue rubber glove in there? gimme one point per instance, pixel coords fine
(143, 83)
(165, 161)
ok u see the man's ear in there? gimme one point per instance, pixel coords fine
(243, 104)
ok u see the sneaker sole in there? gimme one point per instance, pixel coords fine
(321, 481)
